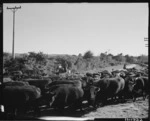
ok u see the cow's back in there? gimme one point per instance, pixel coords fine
(16, 83)
(40, 83)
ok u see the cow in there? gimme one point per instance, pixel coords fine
(20, 97)
(66, 95)
(140, 87)
(90, 94)
(109, 87)
(128, 88)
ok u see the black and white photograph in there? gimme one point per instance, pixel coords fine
(75, 61)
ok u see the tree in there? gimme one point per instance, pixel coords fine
(119, 58)
(38, 57)
(103, 56)
(142, 59)
(88, 55)
(129, 59)
(15, 64)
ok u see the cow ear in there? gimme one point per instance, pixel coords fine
(97, 89)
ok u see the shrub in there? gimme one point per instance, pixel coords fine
(88, 55)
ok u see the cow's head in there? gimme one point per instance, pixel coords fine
(91, 93)
(139, 84)
(122, 74)
(86, 81)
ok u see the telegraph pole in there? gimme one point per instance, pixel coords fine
(13, 9)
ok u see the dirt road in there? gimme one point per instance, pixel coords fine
(129, 109)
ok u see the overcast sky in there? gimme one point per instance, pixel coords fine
(73, 28)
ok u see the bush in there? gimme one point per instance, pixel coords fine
(88, 55)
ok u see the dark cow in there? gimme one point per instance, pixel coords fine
(67, 95)
(146, 84)
(41, 83)
(20, 97)
(140, 87)
(109, 87)
(128, 89)
(90, 94)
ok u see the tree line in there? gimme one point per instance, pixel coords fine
(40, 64)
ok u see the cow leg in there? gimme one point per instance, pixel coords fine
(144, 95)
(7, 111)
(114, 98)
(121, 97)
(134, 98)
(20, 110)
(80, 105)
(36, 109)
(147, 96)
(15, 112)
(124, 97)
(104, 101)
(95, 105)
(61, 110)
(77, 105)
(99, 101)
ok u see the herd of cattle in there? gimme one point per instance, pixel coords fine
(70, 92)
